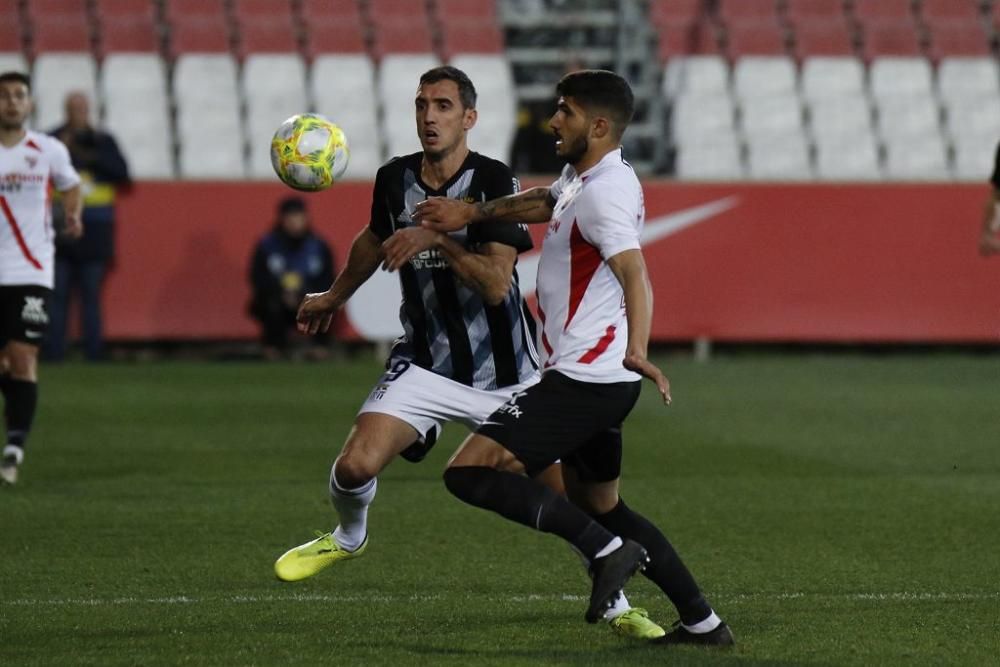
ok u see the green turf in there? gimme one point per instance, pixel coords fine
(837, 509)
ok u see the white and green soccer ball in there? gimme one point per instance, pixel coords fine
(308, 152)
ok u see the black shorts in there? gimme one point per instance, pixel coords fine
(24, 313)
(561, 418)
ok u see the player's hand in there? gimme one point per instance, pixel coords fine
(316, 313)
(73, 226)
(404, 244)
(444, 215)
(643, 366)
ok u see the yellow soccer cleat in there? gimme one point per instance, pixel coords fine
(635, 623)
(313, 557)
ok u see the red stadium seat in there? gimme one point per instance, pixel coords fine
(950, 10)
(120, 34)
(393, 10)
(684, 40)
(61, 33)
(958, 38)
(677, 12)
(124, 8)
(38, 8)
(267, 35)
(814, 10)
(891, 38)
(448, 10)
(471, 36)
(823, 38)
(883, 10)
(411, 35)
(323, 10)
(262, 8)
(11, 38)
(199, 34)
(757, 38)
(747, 10)
(333, 36)
(187, 10)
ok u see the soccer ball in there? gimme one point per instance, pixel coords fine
(308, 152)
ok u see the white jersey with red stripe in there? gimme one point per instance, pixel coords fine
(27, 247)
(597, 215)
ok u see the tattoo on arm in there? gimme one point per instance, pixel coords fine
(532, 205)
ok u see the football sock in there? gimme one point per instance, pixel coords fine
(20, 401)
(709, 624)
(352, 509)
(665, 568)
(529, 503)
(621, 604)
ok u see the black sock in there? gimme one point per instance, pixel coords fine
(20, 399)
(529, 503)
(665, 568)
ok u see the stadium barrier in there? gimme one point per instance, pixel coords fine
(728, 262)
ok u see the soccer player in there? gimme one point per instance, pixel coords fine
(989, 239)
(28, 161)
(468, 342)
(595, 305)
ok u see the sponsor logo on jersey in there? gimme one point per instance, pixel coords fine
(429, 259)
(378, 393)
(34, 310)
(31, 160)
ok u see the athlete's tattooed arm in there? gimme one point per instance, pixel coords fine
(446, 215)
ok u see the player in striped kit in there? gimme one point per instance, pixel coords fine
(595, 303)
(30, 162)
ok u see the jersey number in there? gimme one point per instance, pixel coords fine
(397, 369)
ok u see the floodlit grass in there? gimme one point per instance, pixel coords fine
(840, 509)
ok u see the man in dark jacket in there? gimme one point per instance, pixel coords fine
(288, 262)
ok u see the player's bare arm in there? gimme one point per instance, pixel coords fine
(989, 238)
(317, 309)
(629, 268)
(73, 205)
(447, 215)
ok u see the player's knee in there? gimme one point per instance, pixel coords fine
(22, 362)
(352, 470)
(465, 482)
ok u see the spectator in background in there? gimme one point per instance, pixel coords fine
(82, 263)
(532, 150)
(989, 240)
(288, 262)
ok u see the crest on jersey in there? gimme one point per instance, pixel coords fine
(31, 160)
(33, 311)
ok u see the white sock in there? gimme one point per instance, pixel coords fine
(352, 510)
(15, 451)
(613, 545)
(701, 627)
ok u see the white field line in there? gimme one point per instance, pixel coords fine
(516, 599)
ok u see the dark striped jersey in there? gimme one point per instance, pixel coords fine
(448, 328)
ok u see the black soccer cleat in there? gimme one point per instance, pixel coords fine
(609, 575)
(720, 637)
(416, 452)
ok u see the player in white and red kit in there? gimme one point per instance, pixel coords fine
(595, 303)
(30, 164)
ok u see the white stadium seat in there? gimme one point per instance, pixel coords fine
(893, 75)
(848, 158)
(769, 117)
(55, 75)
(136, 111)
(832, 76)
(779, 158)
(964, 78)
(902, 116)
(274, 87)
(695, 75)
(764, 76)
(977, 117)
(343, 90)
(399, 75)
(831, 118)
(497, 100)
(713, 159)
(917, 158)
(698, 116)
(200, 78)
(13, 61)
(209, 129)
(973, 159)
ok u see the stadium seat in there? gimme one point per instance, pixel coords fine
(902, 117)
(900, 76)
(411, 36)
(345, 12)
(696, 75)
(962, 77)
(328, 34)
(129, 33)
(739, 11)
(949, 10)
(797, 11)
(200, 78)
(757, 76)
(974, 118)
(267, 35)
(175, 10)
(763, 37)
(474, 36)
(11, 32)
(770, 118)
(958, 38)
(716, 158)
(104, 9)
(891, 38)
(140, 76)
(394, 10)
(825, 76)
(142, 129)
(55, 75)
(343, 89)
(494, 81)
(836, 119)
(973, 159)
(848, 159)
(13, 62)
(211, 141)
(822, 38)
(917, 158)
(277, 10)
(448, 10)
(682, 40)
(199, 34)
(888, 11)
(779, 158)
(274, 87)
(696, 117)
(62, 33)
(398, 77)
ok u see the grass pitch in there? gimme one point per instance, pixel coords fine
(837, 510)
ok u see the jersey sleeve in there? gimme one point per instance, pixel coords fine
(499, 181)
(556, 188)
(380, 223)
(995, 179)
(63, 174)
(607, 215)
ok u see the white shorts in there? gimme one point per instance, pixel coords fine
(426, 400)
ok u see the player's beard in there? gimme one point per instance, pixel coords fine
(576, 150)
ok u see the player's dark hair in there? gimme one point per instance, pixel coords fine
(600, 90)
(466, 91)
(16, 77)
